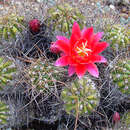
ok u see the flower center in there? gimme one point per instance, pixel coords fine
(82, 48)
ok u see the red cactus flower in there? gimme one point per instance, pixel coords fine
(116, 117)
(81, 51)
(34, 25)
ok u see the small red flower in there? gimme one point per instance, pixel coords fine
(34, 25)
(116, 117)
(81, 51)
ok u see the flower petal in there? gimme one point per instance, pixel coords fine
(87, 34)
(98, 36)
(97, 58)
(100, 46)
(92, 59)
(92, 69)
(76, 34)
(83, 30)
(80, 70)
(95, 40)
(71, 70)
(63, 39)
(63, 46)
(103, 60)
(62, 61)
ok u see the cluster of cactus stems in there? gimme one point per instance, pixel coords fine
(44, 75)
(121, 75)
(63, 16)
(10, 25)
(118, 36)
(3, 113)
(7, 69)
(81, 97)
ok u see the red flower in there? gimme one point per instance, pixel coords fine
(116, 117)
(81, 51)
(34, 25)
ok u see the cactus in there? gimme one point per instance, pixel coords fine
(44, 75)
(126, 119)
(63, 16)
(118, 36)
(81, 97)
(121, 75)
(10, 24)
(3, 113)
(6, 72)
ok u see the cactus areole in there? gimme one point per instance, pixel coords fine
(81, 52)
(34, 25)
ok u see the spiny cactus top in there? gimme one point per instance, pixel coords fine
(81, 97)
(81, 51)
(44, 75)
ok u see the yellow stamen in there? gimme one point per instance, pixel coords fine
(83, 50)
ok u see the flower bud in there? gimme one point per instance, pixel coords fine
(34, 25)
(116, 117)
(54, 48)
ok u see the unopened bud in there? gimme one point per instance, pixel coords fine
(54, 48)
(34, 25)
(116, 117)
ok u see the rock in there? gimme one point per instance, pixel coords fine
(129, 13)
(125, 2)
(124, 15)
(120, 2)
(112, 7)
(124, 10)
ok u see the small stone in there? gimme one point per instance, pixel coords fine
(129, 13)
(125, 2)
(112, 7)
(124, 15)
(124, 10)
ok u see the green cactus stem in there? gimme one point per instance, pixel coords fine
(121, 75)
(7, 70)
(3, 113)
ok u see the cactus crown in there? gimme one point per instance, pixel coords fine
(81, 97)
